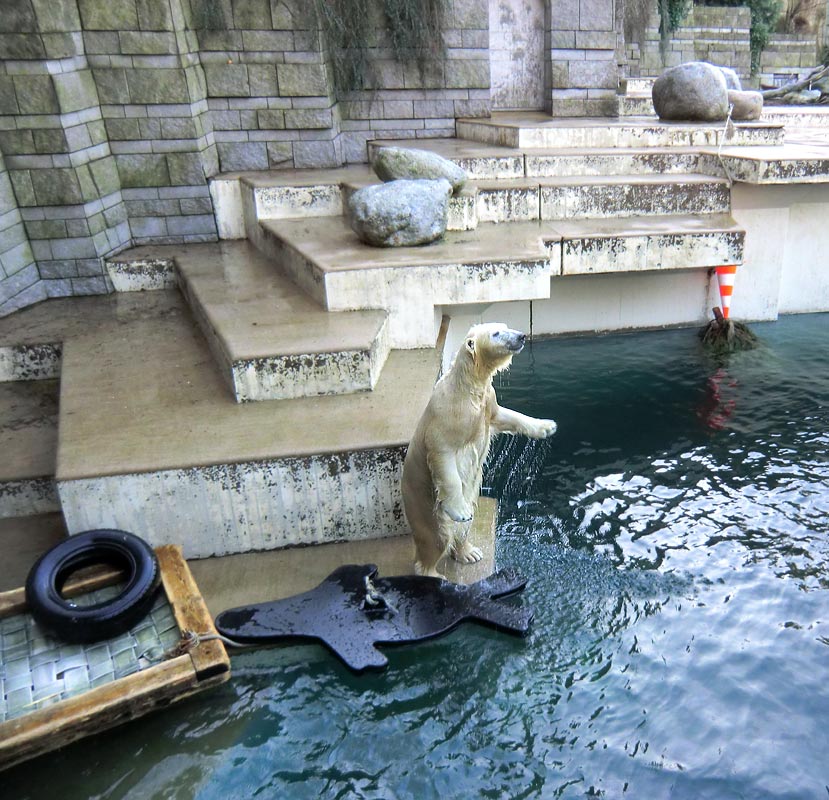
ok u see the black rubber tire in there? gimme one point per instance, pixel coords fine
(80, 624)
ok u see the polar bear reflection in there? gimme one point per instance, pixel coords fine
(444, 464)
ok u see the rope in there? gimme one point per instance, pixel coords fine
(725, 131)
(189, 641)
(375, 598)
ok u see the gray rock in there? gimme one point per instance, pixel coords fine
(393, 163)
(732, 79)
(695, 91)
(747, 105)
(400, 213)
(802, 98)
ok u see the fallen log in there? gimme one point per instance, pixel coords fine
(815, 75)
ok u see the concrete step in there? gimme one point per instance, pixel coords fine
(560, 162)
(637, 85)
(592, 247)
(494, 263)
(555, 196)
(537, 130)
(23, 540)
(635, 105)
(169, 455)
(791, 164)
(487, 265)
(557, 162)
(28, 443)
(249, 577)
(632, 196)
(271, 340)
(797, 117)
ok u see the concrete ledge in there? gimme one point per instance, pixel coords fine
(270, 341)
(28, 443)
(257, 577)
(649, 244)
(633, 196)
(536, 130)
(791, 164)
(135, 274)
(489, 264)
(240, 507)
(169, 455)
(29, 362)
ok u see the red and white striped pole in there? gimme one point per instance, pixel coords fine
(725, 278)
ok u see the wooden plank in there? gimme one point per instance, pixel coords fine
(96, 710)
(126, 698)
(210, 657)
(14, 601)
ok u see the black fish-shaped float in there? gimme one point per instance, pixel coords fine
(353, 610)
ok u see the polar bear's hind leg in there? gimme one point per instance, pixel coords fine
(465, 552)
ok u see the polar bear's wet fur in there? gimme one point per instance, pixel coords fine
(444, 464)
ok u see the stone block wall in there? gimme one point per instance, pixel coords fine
(58, 160)
(145, 64)
(717, 34)
(584, 74)
(19, 277)
(786, 57)
(114, 115)
(411, 100)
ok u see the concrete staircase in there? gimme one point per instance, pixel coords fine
(259, 393)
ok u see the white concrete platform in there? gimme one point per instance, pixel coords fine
(534, 129)
(169, 455)
(490, 264)
(271, 340)
(648, 244)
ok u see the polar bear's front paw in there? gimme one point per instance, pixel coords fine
(543, 429)
(467, 553)
(457, 512)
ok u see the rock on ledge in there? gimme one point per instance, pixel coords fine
(747, 105)
(400, 213)
(695, 91)
(393, 163)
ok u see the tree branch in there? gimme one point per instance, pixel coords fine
(815, 75)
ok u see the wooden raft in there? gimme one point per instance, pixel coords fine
(129, 697)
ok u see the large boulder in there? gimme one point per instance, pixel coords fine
(395, 163)
(694, 91)
(732, 79)
(747, 105)
(400, 213)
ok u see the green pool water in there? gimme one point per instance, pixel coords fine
(675, 533)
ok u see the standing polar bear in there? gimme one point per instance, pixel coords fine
(444, 464)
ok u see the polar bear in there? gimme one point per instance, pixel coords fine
(443, 468)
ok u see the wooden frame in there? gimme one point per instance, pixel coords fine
(126, 698)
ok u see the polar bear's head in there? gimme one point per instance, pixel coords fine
(491, 346)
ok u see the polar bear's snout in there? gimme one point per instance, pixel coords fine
(512, 340)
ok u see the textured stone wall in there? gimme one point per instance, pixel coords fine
(19, 278)
(114, 115)
(787, 56)
(407, 100)
(717, 34)
(583, 64)
(52, 135)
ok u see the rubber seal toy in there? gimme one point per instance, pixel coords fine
(89, 623)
